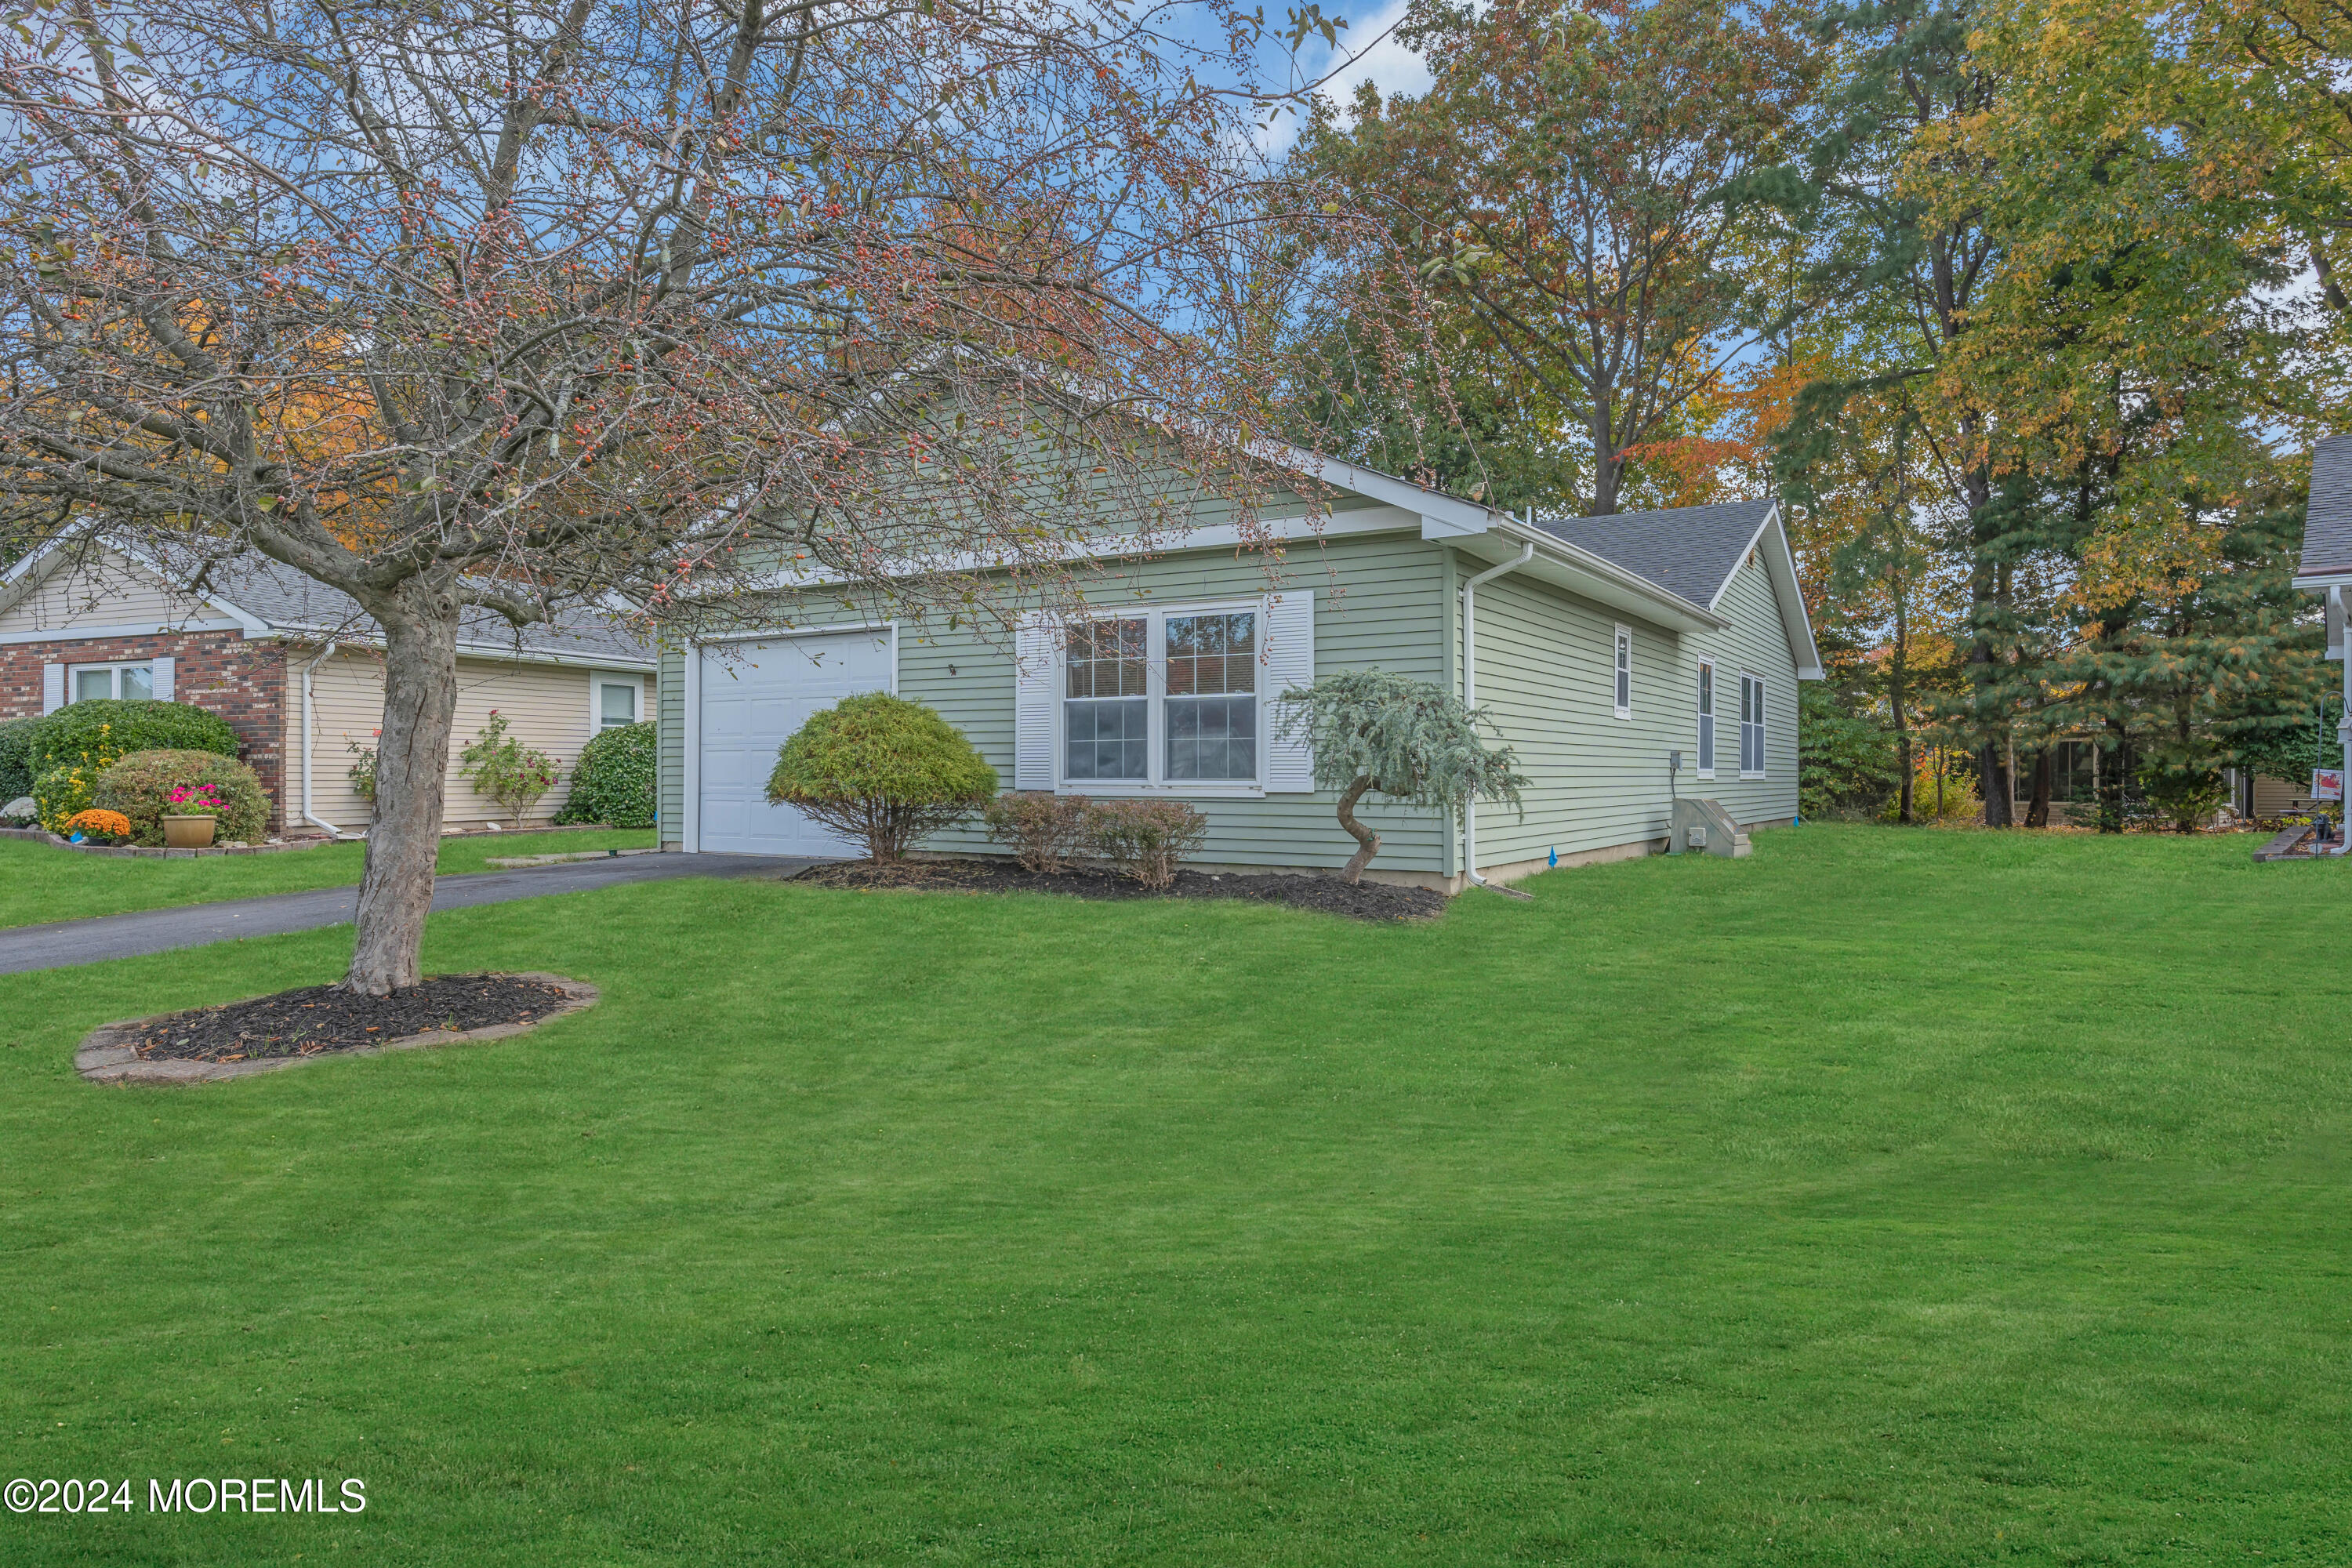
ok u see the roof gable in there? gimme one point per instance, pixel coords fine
(2327, 522)
(266, 597)
(1691, 551)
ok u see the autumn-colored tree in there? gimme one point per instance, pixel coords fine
(1559, 190)
(510, 309)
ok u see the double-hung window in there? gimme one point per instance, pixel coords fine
(102, 680)
(1162, 698)
(1707, 718)
(616, 702)
(1621, 678)
(1751, 726)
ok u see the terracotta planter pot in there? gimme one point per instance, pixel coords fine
(189, 832)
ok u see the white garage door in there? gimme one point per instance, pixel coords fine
(752, 701)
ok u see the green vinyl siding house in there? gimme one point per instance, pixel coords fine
(1600, 645)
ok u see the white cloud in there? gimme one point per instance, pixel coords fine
(1367, 51)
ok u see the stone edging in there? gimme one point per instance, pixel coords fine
(134, 852)
(106, 1056)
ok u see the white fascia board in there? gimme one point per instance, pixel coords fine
(499, 653)
(1780, 562)
(1589, 576)
(95, 633)
(2320, 582)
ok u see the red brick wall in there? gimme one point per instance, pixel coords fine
(244, 683)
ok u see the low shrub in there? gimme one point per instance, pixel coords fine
(881, 770)
(60, 793)
(94, 733)
(16, 768)
(613, 781)
(1145, 839)
(1043, 830)
(141, 785)
(502, 769)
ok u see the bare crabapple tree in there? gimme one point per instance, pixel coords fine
(1412, 741)
(510, 309)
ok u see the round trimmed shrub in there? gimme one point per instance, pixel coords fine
(98, 732)
(613, 781)
(881, 770)
(17, 758)
(139, 787)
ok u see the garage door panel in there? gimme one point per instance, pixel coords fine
(752, 704)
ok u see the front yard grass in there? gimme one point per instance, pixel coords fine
(39, 882)
(1888, 1197)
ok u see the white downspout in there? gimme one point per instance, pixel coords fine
(312, 818)
(1470, 694)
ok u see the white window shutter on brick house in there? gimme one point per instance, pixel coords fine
(53, 688)
(163, 678)
(1037, 671)
(1289, 661)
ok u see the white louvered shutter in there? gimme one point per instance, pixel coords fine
(53, 688)
(1289, 661)
(1037, 671)
(163, 678)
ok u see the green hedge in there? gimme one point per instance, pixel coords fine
(96, 733)
(17, 758)
(613, 781)
(139, 787)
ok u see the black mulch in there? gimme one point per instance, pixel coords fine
(1364, 901)
(319, 1018)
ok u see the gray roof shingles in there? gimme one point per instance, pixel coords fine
(2327, 526)
(291, 602)
(1687, 550)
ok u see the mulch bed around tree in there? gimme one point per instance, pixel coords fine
(319, 1019)
(1364, 901)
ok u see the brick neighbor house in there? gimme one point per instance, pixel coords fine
(295, 666)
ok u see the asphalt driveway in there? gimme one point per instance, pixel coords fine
(24, 948)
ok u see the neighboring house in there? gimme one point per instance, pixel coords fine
(250, 641)
(1601, 645)
(2325, 570)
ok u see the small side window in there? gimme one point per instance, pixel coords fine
(1622, 690)
(1707, 719)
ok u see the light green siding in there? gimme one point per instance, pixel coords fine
(1379, 601)
(1393, 601)
(1597, 782)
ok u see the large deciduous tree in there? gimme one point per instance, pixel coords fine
(1559, 190)
(472, 308)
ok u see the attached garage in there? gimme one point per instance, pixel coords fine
(750, 696)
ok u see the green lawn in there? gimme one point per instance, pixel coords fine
(1891, 1197)
(39, 882)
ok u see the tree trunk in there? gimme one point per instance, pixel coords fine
(1899, 695)
(2037, 810)
(412, 763)
(1367, 843)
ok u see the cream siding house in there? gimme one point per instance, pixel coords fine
(1599, 645)
(252, 638)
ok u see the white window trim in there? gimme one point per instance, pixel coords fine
(1621, 643)
(1763, 752)
(600, 678)
(74, 672)
(1155, 688)
(1715, 696)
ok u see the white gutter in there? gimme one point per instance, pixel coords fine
(1470, 696)
(312, 818)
